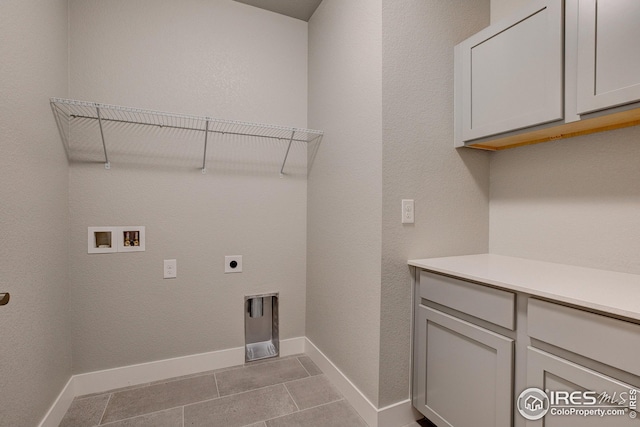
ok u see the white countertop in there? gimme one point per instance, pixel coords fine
(606, 291)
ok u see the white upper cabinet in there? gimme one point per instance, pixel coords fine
(555, 69)
(512, 72)
(608, 54)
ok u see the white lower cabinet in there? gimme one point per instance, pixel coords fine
(464, 373)
(548, 372)
(478, 349)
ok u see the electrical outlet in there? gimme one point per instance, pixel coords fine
(408, 216)
(170, 269)
(233, 264)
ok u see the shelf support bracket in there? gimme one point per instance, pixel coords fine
(107, 165)
(204, 158)
(287, 154)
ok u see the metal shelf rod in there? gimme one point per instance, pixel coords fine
(107, 165)
(204, 157)
(287, 153)
(281, 138)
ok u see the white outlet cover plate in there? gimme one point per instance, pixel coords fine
(170, 269)
(227, 264)
(408, 214)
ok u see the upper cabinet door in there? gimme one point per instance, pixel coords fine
(608, 54)
(510, 74)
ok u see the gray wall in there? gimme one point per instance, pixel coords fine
(389, 136)
(222, 59)
(573, 201)
(450, 187)
(344, 188)
(35, 350)
(503, 8)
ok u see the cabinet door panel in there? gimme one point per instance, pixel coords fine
(463, 373)
(512, 73)
(548, 372)
(608, 54)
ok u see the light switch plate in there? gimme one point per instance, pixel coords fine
(170, 269)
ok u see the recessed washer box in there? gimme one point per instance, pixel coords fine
(102, 240)
(131, 238)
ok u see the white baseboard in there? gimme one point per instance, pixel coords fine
(292, 346)
(109, 379)
(356, 398)
(59, 407)
(400, 414)
(397, 415)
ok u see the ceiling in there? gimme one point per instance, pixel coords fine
(299, 9)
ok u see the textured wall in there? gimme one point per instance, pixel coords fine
(35, 355)
(344, 188)
(574, 201)
(503, 8)
(223, 59)
(450, 187)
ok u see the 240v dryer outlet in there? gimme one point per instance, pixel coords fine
(233, 264)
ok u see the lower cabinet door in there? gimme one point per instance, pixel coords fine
(463, 374)
(575, 392)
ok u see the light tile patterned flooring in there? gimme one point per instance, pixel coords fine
(283, 392)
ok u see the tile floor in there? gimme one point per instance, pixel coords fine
(283, 392)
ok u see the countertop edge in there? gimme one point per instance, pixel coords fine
(466, 265)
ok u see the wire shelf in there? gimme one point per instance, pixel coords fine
(70, 113)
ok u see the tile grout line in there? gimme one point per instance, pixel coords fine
(231, 395)
(113, 391)
(105, 409)
(141, 415)
(323, 404)
(303, 367)
(309, 378)
(215, 378)
(304, 410)
(292, 399)
(254, 389)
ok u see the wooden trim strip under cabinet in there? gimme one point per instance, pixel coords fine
(568, 130)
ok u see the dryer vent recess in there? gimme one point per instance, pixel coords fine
(261, 334)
